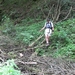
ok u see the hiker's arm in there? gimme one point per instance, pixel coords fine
(52, 27)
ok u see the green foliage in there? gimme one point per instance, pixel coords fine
(24, 37)
(40, 51)
(28, 33)
(66, 51)
(8, 27)
(63, 39)
(11, 2)
(7, 68)
(63, 31)
(24, 33)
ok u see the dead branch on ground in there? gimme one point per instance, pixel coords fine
(30, 63)
(32, 44)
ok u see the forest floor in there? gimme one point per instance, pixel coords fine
(30, 63)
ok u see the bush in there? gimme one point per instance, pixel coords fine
(28, 33)
(8, 27)
(7, 68)
(40, 51)
(66, 51)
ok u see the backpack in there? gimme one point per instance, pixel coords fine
(48, 25)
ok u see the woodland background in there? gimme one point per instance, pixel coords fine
(22, 46)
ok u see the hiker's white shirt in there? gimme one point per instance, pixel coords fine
(48, 31)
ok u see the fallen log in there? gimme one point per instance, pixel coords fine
(31, 62)
(32, 44)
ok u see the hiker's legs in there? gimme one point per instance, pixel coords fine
(47, 35)
(47, 39)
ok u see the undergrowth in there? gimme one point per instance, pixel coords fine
(62, 39)
(9, 68)
(23, 33)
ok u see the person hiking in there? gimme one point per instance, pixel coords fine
(48, 30)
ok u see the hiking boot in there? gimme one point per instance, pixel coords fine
(47, 44)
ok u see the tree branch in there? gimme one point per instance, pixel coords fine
(32, 44)
(58, 14)
(68, 13)
(49, 11)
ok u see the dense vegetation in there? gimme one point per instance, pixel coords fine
(61, 44)
(62, 39)
(21, 21)
(8, 68)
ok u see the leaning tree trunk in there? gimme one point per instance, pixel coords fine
(68, 13)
